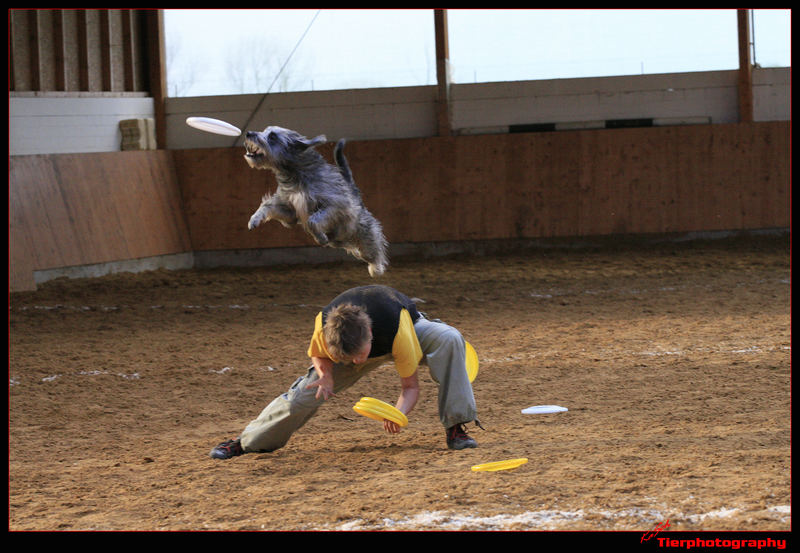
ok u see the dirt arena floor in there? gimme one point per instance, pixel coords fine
(673, 360)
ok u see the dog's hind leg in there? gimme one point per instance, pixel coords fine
(373, 245)
(376, 262)
(319, 223)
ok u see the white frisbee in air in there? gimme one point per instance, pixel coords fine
(543, 409)
(213, 125)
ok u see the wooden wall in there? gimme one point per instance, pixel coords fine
(533, 185)
(81, 209)
(86, 50)
(76, 209)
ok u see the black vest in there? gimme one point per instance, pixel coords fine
(383, 305)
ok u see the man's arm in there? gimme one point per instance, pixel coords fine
(409, 394)
(324, 368)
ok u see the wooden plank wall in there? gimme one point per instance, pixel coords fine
(81, 209)
(87, 50)
(534, 185)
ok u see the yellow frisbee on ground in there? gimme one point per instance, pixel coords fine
(500, 465)
(380, 410)
(472, 362)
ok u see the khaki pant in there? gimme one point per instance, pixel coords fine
(444, 351)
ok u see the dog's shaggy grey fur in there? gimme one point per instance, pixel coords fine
(311, 192)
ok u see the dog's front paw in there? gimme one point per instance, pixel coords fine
(255, 220)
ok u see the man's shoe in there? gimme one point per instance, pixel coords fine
(228, 449)
(457, 438)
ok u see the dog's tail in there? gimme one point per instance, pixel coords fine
(344, 167)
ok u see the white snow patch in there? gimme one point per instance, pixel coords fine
(719, 513)
(548, 519)
(223, 370)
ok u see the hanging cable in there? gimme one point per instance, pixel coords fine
(753, 37)
(277, 76)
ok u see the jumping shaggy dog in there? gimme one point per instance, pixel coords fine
(311, 192)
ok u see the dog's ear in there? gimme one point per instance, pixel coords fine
(306, 143)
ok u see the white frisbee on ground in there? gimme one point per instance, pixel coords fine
(209, 124)
(543, 409)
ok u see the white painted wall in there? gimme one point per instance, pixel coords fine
(772, 94)
(373, 114)
(712, 95)
(47, 124)
(60, 124)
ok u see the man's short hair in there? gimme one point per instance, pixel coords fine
(346, 331)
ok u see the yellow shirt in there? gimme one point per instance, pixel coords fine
(406, 351)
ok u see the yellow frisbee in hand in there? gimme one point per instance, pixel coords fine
(472, 362)
(380, 410)
(500, 465)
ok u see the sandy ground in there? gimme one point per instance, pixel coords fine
(673, 360)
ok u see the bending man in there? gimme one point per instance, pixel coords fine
(360, 330)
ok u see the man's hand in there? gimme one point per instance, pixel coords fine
(324, 384)
(406, 402)
(390, 426)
